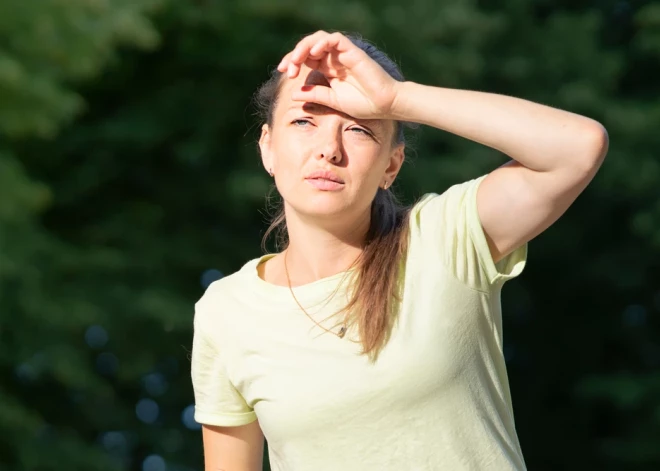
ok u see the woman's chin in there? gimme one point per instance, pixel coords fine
(330, 205)
(326, 210)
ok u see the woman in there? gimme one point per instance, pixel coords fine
(373, 341)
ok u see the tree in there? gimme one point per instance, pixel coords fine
(46, 49)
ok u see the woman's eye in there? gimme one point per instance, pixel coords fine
(361, 131)
(300, 122)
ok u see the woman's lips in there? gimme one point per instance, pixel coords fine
(324, 184)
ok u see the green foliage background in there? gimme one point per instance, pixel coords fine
(128, 170)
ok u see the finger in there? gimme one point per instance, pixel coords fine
(317, 51)
(288, 67)
(292, 70)
(329, 50)
(284, 63)
(334, 41)
(316, 94)
(313, 47)
(300, 52)
(313, 63)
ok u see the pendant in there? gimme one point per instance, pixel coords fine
(342, 332)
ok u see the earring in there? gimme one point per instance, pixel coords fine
(385, 186)
(270, 172)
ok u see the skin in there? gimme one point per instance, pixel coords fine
(233, 448)
(554, 155)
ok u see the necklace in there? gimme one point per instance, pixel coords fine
(342, 330)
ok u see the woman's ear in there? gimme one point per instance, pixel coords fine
(264, 148)
(397, 156)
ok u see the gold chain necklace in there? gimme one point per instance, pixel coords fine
(342, 330)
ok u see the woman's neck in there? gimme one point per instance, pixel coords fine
(315, 252)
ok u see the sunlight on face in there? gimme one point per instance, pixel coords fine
(306, 138)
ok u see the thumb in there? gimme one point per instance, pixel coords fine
(320, 94)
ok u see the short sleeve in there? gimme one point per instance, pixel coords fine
(217, 401)
(450, 223)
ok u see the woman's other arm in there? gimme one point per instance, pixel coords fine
(233, 448)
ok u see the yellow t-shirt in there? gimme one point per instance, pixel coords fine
(436, 399)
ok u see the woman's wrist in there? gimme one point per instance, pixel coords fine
(418, 103)
(401, 105)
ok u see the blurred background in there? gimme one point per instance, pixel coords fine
(130, 180)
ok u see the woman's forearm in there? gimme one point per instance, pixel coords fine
(537, 136)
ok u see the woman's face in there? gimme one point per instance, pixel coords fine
(326, 163)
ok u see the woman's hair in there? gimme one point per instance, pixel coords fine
(374, 300)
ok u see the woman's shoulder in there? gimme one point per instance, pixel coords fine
(451, 197)
(240, 279)
(221, 292)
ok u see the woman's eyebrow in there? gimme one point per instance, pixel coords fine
(311, 108)
(320, 109)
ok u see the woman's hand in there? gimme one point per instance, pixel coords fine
(359, 87)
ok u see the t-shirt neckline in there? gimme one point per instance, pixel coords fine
(313, 288)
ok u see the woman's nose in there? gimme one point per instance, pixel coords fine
(331, 156)
(331, 150)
